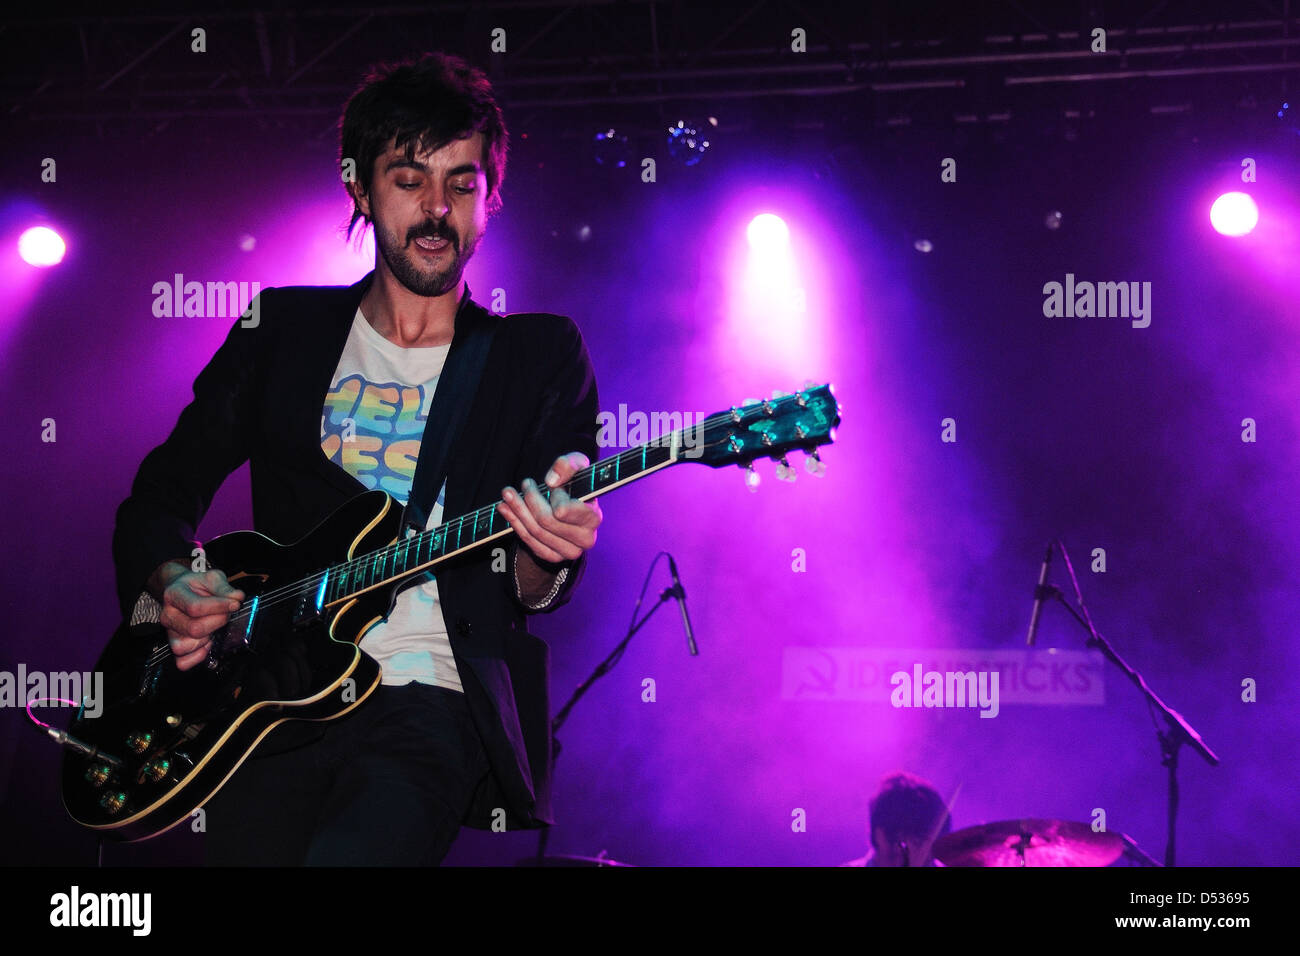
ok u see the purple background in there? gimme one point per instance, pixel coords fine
(1087, 429)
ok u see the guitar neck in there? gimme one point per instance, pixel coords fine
(770, 428)
(429, 548)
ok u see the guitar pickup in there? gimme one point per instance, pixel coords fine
(305, 613)
(312, 607)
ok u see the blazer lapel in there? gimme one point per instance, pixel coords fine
(477, 434)
(321, 359)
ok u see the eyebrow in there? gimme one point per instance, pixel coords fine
(404, 163)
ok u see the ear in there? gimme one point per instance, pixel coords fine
(360, 198)
(878, 841)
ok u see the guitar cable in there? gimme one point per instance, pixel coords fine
(65, 739)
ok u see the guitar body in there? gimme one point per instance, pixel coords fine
(165, 741)
(168, 739)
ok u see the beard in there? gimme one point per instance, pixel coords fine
(409, 266)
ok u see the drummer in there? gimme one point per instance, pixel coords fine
(907, 816)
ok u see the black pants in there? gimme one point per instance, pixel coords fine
(387, 785)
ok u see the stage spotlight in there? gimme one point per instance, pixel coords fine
(1290, 117)
(41, 246)
(611, 148)
(767, 233)
(923, 245)
(1234, 214)
(1053, 220)
(686, 144)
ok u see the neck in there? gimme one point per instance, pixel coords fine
(406, 319)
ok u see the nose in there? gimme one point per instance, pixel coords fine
(435, 204)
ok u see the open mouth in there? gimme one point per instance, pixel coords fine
(432, 245)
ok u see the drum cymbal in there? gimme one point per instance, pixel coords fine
(1029, 843)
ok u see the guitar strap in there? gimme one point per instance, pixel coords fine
(457, 385)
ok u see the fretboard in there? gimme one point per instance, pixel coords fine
(419, 552)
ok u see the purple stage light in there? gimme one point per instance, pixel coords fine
(773, 296)
(767, 233)
(1234, 214)
(771, 252)
(41, 246)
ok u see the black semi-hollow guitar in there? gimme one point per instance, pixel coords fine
(165, 740)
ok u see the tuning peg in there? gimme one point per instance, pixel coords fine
(816, 467)
(750, 401)
(784, 472)
(776, 394)
(752, 478)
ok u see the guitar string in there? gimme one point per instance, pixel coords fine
(712, 421)
(479, 515)
(312, 583)
(381, 555)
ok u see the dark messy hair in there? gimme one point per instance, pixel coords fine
(422, 104)
(908, 805)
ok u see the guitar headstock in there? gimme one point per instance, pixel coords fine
(771, 428)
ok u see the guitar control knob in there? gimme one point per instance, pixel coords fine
(139, 743)
(113, 802)
(97, 774)
(155, 770)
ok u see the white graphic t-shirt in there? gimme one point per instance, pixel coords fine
(385, 391)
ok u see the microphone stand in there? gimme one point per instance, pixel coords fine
(1178, 731)
(603, 668)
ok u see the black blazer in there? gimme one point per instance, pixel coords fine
(260, 399)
